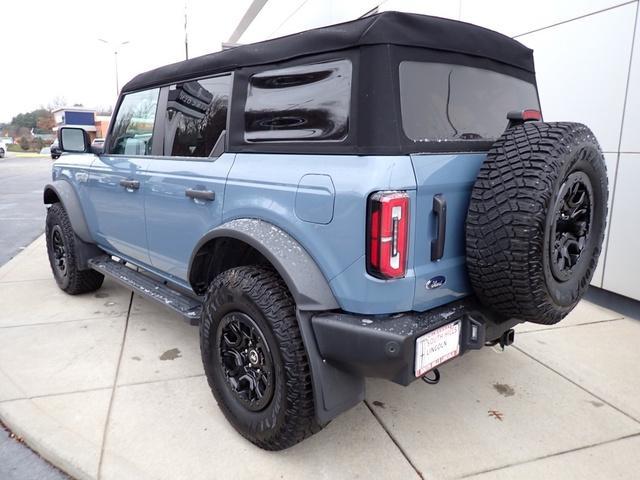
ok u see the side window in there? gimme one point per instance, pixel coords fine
(133, 128)
(303, 103)
(196, 116)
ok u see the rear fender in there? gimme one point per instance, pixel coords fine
(299, 271)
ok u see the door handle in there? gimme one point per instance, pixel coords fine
(207, 195)
(440, 211)
(130, 184)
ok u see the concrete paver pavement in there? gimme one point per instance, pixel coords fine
(108, 385)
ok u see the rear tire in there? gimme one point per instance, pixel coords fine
(536, 220)
(249, 336)
(61, 244)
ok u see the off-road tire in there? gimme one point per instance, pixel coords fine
(512, 212)
(260, 293)
(74, 281)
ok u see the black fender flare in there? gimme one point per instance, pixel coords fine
(85, 248)
(64, 192)
(305, 281)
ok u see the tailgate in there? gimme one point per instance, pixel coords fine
(451, 177)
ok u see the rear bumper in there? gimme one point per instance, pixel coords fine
(384, 346)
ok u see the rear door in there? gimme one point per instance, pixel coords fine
(185, 184)
(117, 179)
(462, 109)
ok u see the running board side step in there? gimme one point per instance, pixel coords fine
(189, 308)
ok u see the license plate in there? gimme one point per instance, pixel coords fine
(437, 347)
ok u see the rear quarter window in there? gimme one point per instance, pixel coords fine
(301, 103)
(446, 102)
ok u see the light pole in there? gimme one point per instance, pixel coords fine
(116, 47)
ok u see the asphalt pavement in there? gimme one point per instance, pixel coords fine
(22, 212)
(22, 217)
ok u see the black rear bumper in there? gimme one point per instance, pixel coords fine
(384, 346)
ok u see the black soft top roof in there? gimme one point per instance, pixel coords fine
(394, 28)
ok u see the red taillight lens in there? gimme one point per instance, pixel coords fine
(530, 114)
(388, 231)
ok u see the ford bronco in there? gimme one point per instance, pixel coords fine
(368, 199)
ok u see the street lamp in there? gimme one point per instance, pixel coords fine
(116, 47)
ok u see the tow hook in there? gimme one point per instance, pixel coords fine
(433, 379)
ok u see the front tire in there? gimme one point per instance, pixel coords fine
(61, 245)
(254, 358)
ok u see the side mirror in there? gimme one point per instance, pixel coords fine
(73, 140)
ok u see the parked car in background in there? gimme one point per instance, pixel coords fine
(370, 199)
(3, 149)
(55, 150)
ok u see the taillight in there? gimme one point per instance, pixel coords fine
(388, 232)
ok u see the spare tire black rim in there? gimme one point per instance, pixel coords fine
(569, 237)
(246, 360)
(59, 251)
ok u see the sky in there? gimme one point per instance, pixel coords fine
(52, 52)
(51, 48)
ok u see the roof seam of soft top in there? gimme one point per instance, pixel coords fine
(366, 30)
(387, 28)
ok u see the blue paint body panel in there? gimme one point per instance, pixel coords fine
(315, 199)
(175, 222)
(453, 177)
(115, 215)
(319, 200)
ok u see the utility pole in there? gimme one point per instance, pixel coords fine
(116, 48)
(186, 40)
(248, 17)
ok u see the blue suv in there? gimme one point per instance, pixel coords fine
(368, 199)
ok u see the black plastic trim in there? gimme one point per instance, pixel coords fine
(303, 277)
(440, 212)
(384, 346)
(67, 196)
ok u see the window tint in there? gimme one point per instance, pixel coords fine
(303, 103)
(196, 116)
(133, 128)
(451, 102)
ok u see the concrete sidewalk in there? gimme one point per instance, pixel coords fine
(107, 385)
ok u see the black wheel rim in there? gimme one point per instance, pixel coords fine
(59, 251)
(569, 237)
(246, 361)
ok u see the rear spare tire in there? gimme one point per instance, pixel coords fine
(536, 220)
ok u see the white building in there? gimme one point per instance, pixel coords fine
(587, 55)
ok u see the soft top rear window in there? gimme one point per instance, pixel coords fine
(446, 102)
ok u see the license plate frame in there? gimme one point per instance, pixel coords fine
(436, 347)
